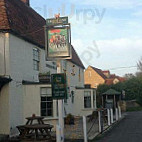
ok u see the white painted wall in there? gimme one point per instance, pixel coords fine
(4, 54)
(4, 110)
(2, 66)
(19, 65)
(78, 106)
(73, 82)
(4, 93)
(32, 100)
(31, 103)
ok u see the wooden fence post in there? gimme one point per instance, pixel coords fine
(119, 111)
(108, 116)
(85, 128)
(116, 114)
(111, 110)
(99, 119)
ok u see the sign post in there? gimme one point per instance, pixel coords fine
(59, 92)
(58, 47)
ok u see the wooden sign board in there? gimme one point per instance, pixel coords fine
(58, 43)
(55, 21)
(59, 86)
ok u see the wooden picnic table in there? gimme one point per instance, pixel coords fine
(39, 119)
(35, 130)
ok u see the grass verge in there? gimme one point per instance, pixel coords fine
(139, 108)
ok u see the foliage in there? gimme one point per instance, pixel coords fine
(69, 119)
(139, 108)
(132, 88)
(128, 75)
(139, 64)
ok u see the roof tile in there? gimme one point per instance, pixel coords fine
(99, 71)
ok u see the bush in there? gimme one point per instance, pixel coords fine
(132, 87)
(69, 119)
(134, 109)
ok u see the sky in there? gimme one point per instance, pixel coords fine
(106, 34)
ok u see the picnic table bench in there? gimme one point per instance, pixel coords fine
(37, 130)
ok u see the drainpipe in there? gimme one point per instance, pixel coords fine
(4, 55)
(4, 58)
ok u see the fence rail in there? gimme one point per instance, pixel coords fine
(87, 127)
(100, 120)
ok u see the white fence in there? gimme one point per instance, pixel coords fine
(87, 128)
(105, 118)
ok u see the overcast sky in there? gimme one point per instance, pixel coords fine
(106, 34)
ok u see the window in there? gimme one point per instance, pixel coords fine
(36, 59)
(46, 102)
(96, 85)
(87, 99)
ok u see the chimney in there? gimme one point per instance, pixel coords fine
(27, 2)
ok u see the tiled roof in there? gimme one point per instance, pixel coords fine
(75, 59)
(121, 79)
(109, 81)
(106, 71)
(4, 23)
(20, 19)
(112, 76)
(99, 71)
(23, 21)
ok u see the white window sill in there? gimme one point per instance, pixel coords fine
(50, 118)
(88, 109)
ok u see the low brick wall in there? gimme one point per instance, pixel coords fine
(122, 105)
(131, 104)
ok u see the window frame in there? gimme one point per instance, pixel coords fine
(36, 59)
(47, 101)
(87, 97)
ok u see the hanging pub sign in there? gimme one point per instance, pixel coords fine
(59, 86)
(58, 42)
(58, 38)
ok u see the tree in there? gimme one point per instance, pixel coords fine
(139, 65)
(132, 88)
(128, 76)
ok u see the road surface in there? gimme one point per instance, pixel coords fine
(128, 130)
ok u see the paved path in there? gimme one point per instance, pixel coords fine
(128, 130)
